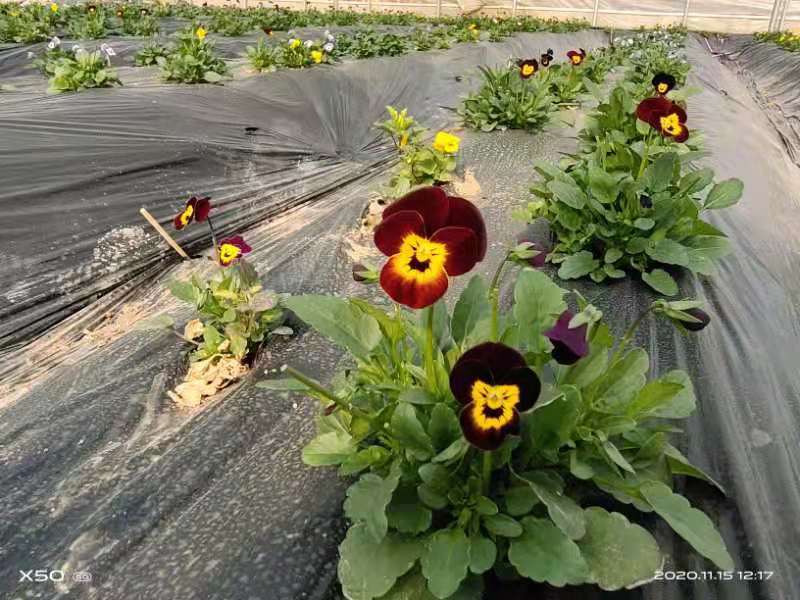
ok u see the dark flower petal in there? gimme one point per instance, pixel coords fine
(499, 358)
(393, 229)
(528, 68)
(201, 209)
(463, 213)
(462, 249)
(539, 260)
(663, 82)
(528, 383)
(699, 314)
(430, 202)
(569, 345)
(485, 439)
(646, 201)
(650, 110)
(464, 374)
(682, 136)
(410, 290)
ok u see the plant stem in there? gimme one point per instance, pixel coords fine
(430, 370)
(487, 472)
(213, 238)
(315, 386)
(494, 297)
(645, 155)
(628, 336)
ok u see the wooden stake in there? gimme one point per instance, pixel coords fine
(162, 232)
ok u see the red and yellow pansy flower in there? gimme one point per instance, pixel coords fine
(576, 57)
(664, 116)
(663, 82)
(196, 209)
(527, 67)
(494, 384)
(231, 250)
(428, 237)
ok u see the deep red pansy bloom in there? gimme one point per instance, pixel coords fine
(196, 209)
(663, 82)
(569, 344)
(527, 67)
(576, 57)
(666, 117)
(494, 384)
(428, 237)
(539, 260)
(231, 250)
(703, 319)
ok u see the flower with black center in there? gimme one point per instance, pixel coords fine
(663, 82)
(428, 237)
(576, 57)
(527, 67)
(666, 117)
(120, 13)
(546, 58)
(91, 8)
(494, 384)
(196, 209)
(569, 343)
(231, 250)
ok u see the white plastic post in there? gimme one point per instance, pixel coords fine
(513, 8)
(594, 15)
(685, 18)
(772, 14)
(438, 8)
(782, 16)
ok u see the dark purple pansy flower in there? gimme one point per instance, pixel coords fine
(537, 261)
(569, 345)
(646, 201)
(699, 314)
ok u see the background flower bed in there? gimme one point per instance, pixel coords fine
(227, 483)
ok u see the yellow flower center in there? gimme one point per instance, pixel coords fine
(421, 259)
(576, 60)
(662, 87)
(671, 124)
(228, 253)
(493, 405)
(186, 215)
(54, 7)
(201, 33)
(527, 70)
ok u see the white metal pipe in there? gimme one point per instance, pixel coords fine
(685, 18)
(782, 17)
(438, 8)
(594, 16)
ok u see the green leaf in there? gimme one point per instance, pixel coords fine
(472, 306)
(417, 396)
(406, 514)
(412, 586)
(538, 302)
(622, 382)
(502, 525)
(661, 281)
(644, 223)
(445, 561)
(482, 554)
(183, 290)
(519, 500)
(613, 255)
(363, 459)
(691, 524)
(368, 569)
(563, 510)
(455, 450)
(568, 193)
(683, 403)
(407, 430)
(444, 427)
(578, 265)
(603, 185)
(367, 500)
(680, 465)
(544, 554)
(328, 449)
(485, 506)
(668, 252)
(212, 338)
(616, 456)
(619, 553)
(552, 423)
(663, 397)
(696, 181)
(724, 194)
(338, 320)
(212, 76)
(658, 176)
(282, 385)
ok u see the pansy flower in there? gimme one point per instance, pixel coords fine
(267, 31)
(428, 237)
(231, 250)
(576, 56)
(201, 33)
(569, 343)
(703, 319)
(91, 8)
(527, 67)
(316, 56)
(53, 7)
(446, 142)
(664, 116)
(538, 261)
(546, 58)
(663, 82)
(494, 384)
(120, 13)
(196, 209)
(144, 12)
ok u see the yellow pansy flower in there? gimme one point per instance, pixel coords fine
(446, 142)
(316, 56)
(54, 7)
(294, 43)
(201, 33)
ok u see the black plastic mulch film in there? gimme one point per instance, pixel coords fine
(99, 472)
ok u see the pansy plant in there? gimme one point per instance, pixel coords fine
(475, 452)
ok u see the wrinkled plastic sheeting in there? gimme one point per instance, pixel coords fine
(101, 472)
(77, 167)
